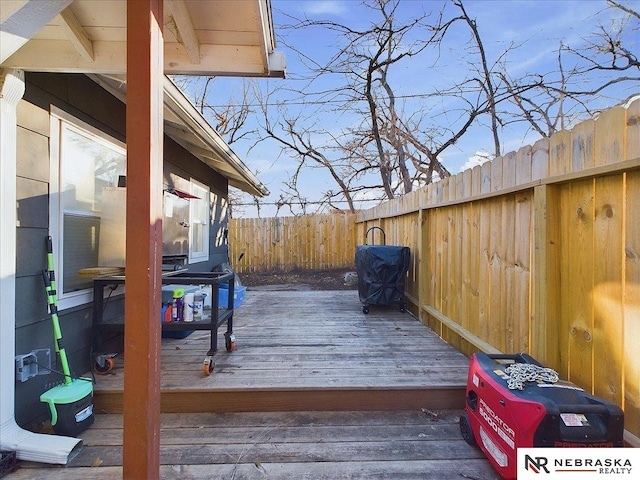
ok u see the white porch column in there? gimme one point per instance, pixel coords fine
(11, 91)
(28, 445)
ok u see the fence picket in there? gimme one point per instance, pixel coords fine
(610, 136)
(633, 130)
(523, 165)
(559, 152)
(582, 147)
(540, 159)
(631, 312)
(607, 271)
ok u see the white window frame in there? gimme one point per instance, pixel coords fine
(57, 118)
(203, 194)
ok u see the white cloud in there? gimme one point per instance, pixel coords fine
(478, 159)
(331, 7)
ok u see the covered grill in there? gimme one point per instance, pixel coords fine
(382, 271)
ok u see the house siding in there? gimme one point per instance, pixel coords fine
(179, 163)
(84, 99)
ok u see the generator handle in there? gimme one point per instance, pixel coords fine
(516, 357)
(384, 237)
(597, 408)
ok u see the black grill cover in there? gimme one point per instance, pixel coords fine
(381, 271)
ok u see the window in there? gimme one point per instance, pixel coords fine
(83, 162)
(86, 165)
(199, 219)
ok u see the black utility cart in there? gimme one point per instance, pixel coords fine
(211, 319)
(382, 271)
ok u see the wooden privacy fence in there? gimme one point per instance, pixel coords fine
(290, 243)
(537, 251)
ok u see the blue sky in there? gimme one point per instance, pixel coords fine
(535, 26)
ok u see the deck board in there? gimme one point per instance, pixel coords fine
(286, 445)
(291, 342)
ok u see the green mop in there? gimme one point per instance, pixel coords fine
(71, 403)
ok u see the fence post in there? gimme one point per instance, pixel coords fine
(422, 264)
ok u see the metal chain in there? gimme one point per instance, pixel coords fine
(521, 373)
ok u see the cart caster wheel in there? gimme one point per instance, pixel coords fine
(230, 342)
(365, 310)
(467, 432)
(208, 366)
(104, 369)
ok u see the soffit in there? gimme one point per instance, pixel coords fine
(214, 37)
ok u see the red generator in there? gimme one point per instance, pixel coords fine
(512, 401)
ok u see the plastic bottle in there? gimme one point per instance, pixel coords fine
(177, 310)
(167, 313)
(188, 307)
(198, 304)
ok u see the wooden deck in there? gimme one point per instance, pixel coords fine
(306, 350)
(315, 389)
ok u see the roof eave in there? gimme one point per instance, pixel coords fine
(180, 106)
(186, 126)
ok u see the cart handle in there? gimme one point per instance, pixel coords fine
(366, 235)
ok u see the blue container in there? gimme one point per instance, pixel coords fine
(238, 295)
(172, 333)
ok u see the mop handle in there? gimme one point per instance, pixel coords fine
(49, 277)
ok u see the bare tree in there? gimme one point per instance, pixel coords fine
(486, 76)
(607, 52)
(559, 98)
(400, 142)
(364, 62)
(229, 116)
(379, 141)
(298, 141)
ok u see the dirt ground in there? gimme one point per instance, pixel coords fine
(331, 279)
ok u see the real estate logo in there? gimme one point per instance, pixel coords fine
(582, 463)
(536, 464)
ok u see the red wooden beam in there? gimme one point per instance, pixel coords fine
(141, 455)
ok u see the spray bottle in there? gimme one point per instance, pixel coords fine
(177, 306)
